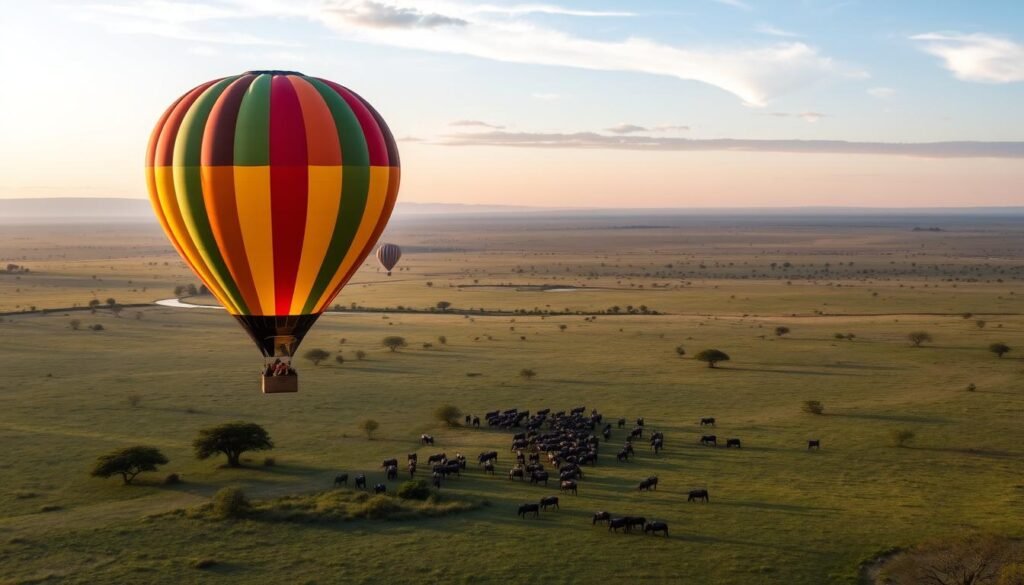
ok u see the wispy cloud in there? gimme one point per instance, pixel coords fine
(593, 140)
(379, 15)
(811, 117)
(475, 124)
(768, 29)
(881, 92)
(634, 128)
(523, 9)
(976, 57)
(736, 4)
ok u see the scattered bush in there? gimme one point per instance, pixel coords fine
(128, 462)
(442, 339)
(780, 331)
(680, 351)
(316, 355)
(172, 479)
(96, 327)
(813, 407)
(980, 323)
(417, 489)
(448, 414)
(916, 338)
(902, 437)
(369, 426)
(971, 387)
(712, 357)
(360, 355)
(527, 374)
(340, 359)
(230, 502)
(394, 342)
(443, 305)
(999, 348)
(75, 324)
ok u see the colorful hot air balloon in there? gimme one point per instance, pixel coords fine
(388, 255)
(274, 187)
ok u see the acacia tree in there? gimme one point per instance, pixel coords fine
(393, 342)
(369, 426)
(916, 338)
(712, 357)
(128, 462)
(999, 348)
(680, 351)
(448, 414)
(232, 439)
(527, 373)
(316, 355)
(781, 330)
(443, 305)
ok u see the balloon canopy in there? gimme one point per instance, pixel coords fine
(388, 255)
(274, 187)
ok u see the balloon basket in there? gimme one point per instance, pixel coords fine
(280, 384)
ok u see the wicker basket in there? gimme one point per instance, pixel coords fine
(280, 384)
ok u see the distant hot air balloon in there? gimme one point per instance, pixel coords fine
(388, 255)
(274, 187)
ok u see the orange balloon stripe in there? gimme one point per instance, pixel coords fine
(222, 211)
(253, 208)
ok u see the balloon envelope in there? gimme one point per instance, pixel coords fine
(388, 255)
(274, 187)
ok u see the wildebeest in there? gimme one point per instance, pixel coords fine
(412, 469)
(578, 410)
(629, 448)
(568, 486)
(476, 421)
(539, 476)
(437, 458)
(427, 439)
(622, 455)
(651, 483)
(654, 528)
(392, 472)
(380, 489)
(488, 456)
(606, 433)
(437, 480)
(640, 422)
(636, 432)
(388, 463)
(733, 443)
(534, 457)
(601, 517)
(709, 440)
(622, 423)
(569, 475)
(696, 495)
(708, 420)
(516, 472)
(341, 479)
(814, 444)
(657, 445)
(361, 481)
(525, 509)
(492, 414)
(548, 501)
(616, 523)
(469, 418)
(632, 521)
(412, 457)
(489, 467)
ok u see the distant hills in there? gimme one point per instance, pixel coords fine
(111, 209)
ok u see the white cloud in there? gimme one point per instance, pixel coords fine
(881, 92)
(768, 29)
(475, 124)
(976, 57)
(736, 4)
(634, 128)
(811, 117)
(523, 9)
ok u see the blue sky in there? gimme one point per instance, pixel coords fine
(503, 102)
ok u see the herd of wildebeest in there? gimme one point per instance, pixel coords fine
(567, 442)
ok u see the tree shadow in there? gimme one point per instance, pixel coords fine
(905, 418)
(796, 372)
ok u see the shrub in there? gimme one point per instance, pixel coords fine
(712, 357)
(442, 339)
(902, 437)
(360, 355)
(680, 351)
(230, 502)
(448, 414)
(393, 342)
(172, 479)
(780, 331)
(96, 327)
(204, 563)
(75, 324)
(340, 359)
(999, 348)
(443, 305)
(980, 323)
(316, 355)
(417, 489)
(971, 387)
(369, 426)
(527, 373)
(128, 462)
(813, 407)
(918, 337)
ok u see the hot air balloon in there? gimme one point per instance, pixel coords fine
(388, 255)
(273, 187)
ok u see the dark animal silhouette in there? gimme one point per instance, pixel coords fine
(709, 440)
(651, 483)
(539, 476)
(548, 501)
(622, 455)
(640, 422)
(361, 481)
(815, 444)
(698, 495)
(601, 517)
(427, 439)
(568, 486)
(412, 457)
(616, 523)
(489, 467)
(388, 463)
(733, 443)
(392, 472)
(637, 521)
(657, 445)
(525, 509)
(709, 420)
(516, 472)
(437, 458)
(341, 479)
(476, 421)
(488, 456)
(637, 432)
(437, 480)
(412, 469)
(654, 528)
(622, 423)
(380, 489)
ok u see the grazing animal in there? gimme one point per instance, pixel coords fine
(437, 480)
(412, 469)
(489, 467)
(427, 439)
(654, 528)
(412, 457)
(392, 472)
(568, 486)
(361, 481)
(657, 445)
(516, 472)
(380, 489)
(607, 433)
(488, 456)
(388, 463)
(708, 420)
(701, 495)
(568, 475)
(539, 476)
(632, 521)
(534, 457)
(469, 418)
(640, 422)
(709, 440)
(629, 448)
(601, 517)
(622, 455)
(476, 421)
(548, 501)
(733, 443)
(637, 432)
(453, 467)
(341, 479)
(525, 509)
(616, 523)
(622, 423)
(814, 444)
(651, 483)
(437, 458)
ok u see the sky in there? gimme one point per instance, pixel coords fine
(641, 103)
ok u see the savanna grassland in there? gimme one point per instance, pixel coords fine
(779, 513)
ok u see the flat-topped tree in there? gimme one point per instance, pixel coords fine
(712, 357)
(316, 355)
(393, 342)
(232, 439)
(999, 348)
(128, 462)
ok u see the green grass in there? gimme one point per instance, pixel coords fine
(778, 513)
